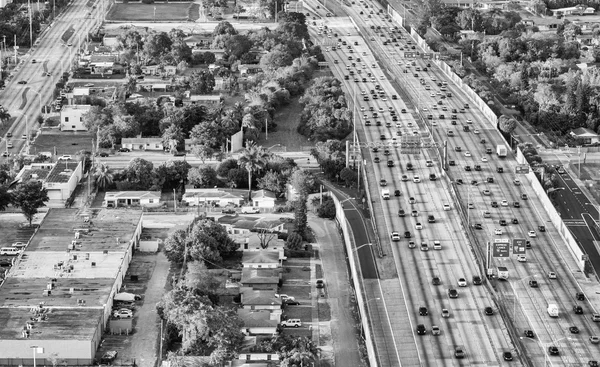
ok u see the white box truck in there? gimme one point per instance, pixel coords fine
(502, 273)
(385, 194)
(552, 310)
(501, 150)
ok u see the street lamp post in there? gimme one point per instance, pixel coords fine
(26, 124)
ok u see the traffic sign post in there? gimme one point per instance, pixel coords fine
(518, 245)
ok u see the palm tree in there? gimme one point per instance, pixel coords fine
(4, 115)
(103, 176)
(253, 159)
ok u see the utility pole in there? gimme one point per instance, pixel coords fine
(30, 25)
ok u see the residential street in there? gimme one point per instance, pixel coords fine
(339, 293)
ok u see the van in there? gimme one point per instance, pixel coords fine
(385, 194)
(437, 245)
(13, 251)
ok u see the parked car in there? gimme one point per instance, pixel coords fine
(109, 357)
(124, 150)
(320, 283)
(291, 323)
(228, 211)
(123, 313)
(250, 210)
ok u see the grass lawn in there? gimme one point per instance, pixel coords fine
(299, 312)
(296, 273)
(145, 12)
(65, 143)
(300, 292)
(287, 119)
(324, 311)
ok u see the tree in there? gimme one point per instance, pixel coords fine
(157, 45)
(173, 139)
(5, 198)
(172, 174)
(507, 124)
(303, 182)
(300, 217)
(104, 177)
(327, 209)
(201, 82)
(273, 181)
(349, 176)
(175, 246)
(198, 277)
(209, 241)
(140, 173)
(253, 159)
(224, 27)
(265, 236)
(203, 177)
(294, 241)
(29, 196)
(4, 115)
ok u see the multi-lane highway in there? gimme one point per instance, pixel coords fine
(500, 203)
(32, 84)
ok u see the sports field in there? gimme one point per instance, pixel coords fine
(146, 12)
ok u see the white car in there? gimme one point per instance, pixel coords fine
(418, 226)
(447, 207)
(395, 236)
(552, 275)
(462, 282)
(416, 179)
(521, 259)
(362, 108)
(445, 313)
(469, 121)
(476, 131)
(486, 192)
(429, 164)
(517, 182)
(64, 158)
(484, 159)
(284, 297)
(123, 313)
(504, 203)
(467, 154)
(498, 231)
(435, 330)
(471, 206)
(531, 234)
(250, 210)
(425, 109)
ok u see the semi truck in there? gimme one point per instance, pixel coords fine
(501, 150)
(552, 310)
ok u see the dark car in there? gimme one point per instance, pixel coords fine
(476, 280)
(477, 226)
(436, 281)
(396, 192)
(529, 333)
(553, 351)
(103, 154)
(124, 150)
(542, 228)
(421, 329)
(459, 353)
(109, 357)
(452, 293)
(574, 330)
(320, 283)
(578, 309)
(228, 211)
(423, 311)
(22, 82)
(401, 213)
(488, 311)
(533, 284)
(290, 302)
(507, 356)
(580, 296)
(593, 363)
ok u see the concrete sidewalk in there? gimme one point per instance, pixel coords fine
(339, 295)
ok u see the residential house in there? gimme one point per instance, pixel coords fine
(573, 10)
(261, 279)
(588, 136)
(3, 3)
(214, 197)
(152, 143)
(118, 199)
(203, 99)
(255, 299)
(249, 69)
(261, 259)
(252, 352)
(60, 179)
(263, 199)
(167, 70)
(102, 64)
(240, 225)
(71, 117)
(259, 322)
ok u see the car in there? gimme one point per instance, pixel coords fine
(446, 207)
(416, 179)
(397, 193)
(459, 353)
(593, 363)
(578, 310)
(401, 213)
(542, 228)
(19, 245)
(412, 200)
(228, 211)
(430, 218)
(524, 197)
(395, 236)
(407, 234)
(486, 192)
(498, 231)
(528, 333)
(404, 178)
(521, 258)
(414, 213)
(445, 313)
(376, 160)
(418, 226)
(22, 82)
(467, 168)
(515, 221)
(517, 182)
(124, 150)
(65, 157)
(477, 226)
(507, 356)
(123, 313)
(504, 203)
(421, 330)
(109, 357)
(516, 204)
(291, 302)
(383, 182)
(494, 204)
(596, 317)
(551, 275)
(488, 311)
(477, 280)
(435, 330)
(103, 154)
(531, 234)
(487, 214)
(320, 283)
(462, 282)
(423, 311)
(502, 222)
(436, 281)
(291, 323)
(284, 296)
(250, 210)
(467, 154)
(412, 244)
(553, 351)
(424, 247)
(452, 293)
(533, 283)
(484, 159)
(574, 330)
(594, 339)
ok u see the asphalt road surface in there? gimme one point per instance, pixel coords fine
(580, 216)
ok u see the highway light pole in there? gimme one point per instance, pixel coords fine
(30, 25)
(26, 124)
